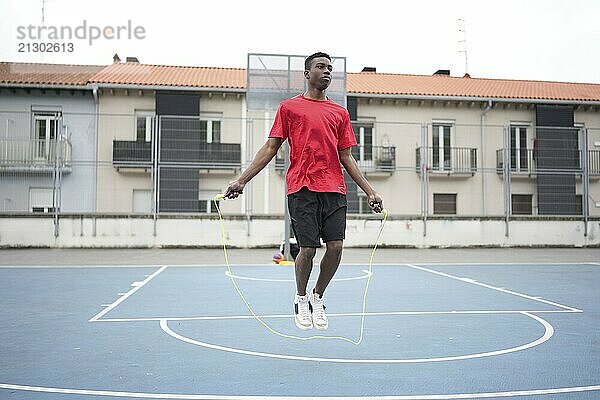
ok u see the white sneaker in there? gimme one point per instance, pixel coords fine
(318, 311)
(303, 318)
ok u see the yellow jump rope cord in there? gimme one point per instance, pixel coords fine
(276, 332)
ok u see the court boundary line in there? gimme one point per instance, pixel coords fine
(174, 396)
(271, 264)
(137, 286)
(485, 285)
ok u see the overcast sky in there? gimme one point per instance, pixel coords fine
(554, 40)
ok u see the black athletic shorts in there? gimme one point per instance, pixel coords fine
(317, 215)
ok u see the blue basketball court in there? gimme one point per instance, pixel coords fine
(431, 331)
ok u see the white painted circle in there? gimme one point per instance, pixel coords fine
(549, 331)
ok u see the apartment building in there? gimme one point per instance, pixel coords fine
(168, 136)
(48, 118)
(547, 129)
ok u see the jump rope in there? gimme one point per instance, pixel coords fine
(284, 335)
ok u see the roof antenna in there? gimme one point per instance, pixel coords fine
(462, 27)
(43, 24)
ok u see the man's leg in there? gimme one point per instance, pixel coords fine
(329, 265)
(303, 267)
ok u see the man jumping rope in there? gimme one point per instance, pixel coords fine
(320, 136)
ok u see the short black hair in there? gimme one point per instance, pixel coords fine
(309, 59)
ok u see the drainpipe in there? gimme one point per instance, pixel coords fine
(487, 108)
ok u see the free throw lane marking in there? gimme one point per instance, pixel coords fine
(474, 282)
(136, 286)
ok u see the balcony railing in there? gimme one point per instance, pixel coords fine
(448, 160)
(369, 158)
(138, 154)
(35, 155)
(132, 153)
(529, 162)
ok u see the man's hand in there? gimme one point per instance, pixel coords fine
(376, 202)
(234, 189)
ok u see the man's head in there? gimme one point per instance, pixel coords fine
(317, 69)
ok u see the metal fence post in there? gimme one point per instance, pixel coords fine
(287, 219)
(57, 171)
(585, 179)
(506, 179)
(424, 176)
(154, 155)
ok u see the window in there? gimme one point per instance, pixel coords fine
(205, 201)
(45, 129)
(210, 131)
(441, 146)
(522, 204)
(519, 160)
(364, 138)
(143, 126)
(41, 200)
(444, 203)
(142, 200)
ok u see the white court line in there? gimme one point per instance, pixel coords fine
(548, 332)
(137, 286)
(141, 395)
(378, 264)
(368, 314)
(473, 282)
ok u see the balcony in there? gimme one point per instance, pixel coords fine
(450, 161)
(526, 163)
(37, 156)
(371, 159)
(138, 154)
(132, 154)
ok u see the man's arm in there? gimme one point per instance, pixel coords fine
(351, 166)
(261, 159)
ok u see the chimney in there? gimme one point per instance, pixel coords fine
(442, 72)
(132, 59)
(116, 59)
(369, 69)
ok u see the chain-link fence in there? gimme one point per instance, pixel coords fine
(143, 164)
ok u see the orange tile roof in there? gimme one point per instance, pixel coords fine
(447, 86)
(364, 83)
(47, 74)
(132, 73)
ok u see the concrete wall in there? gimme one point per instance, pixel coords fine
(112, 232)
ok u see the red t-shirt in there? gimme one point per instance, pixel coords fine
(317, 130)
